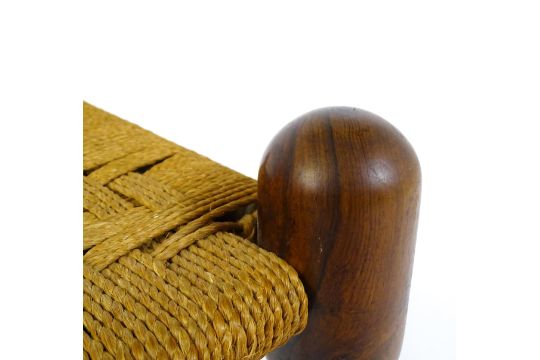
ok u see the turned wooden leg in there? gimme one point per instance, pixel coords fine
(339, 192)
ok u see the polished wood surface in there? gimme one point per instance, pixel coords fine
(339, 192)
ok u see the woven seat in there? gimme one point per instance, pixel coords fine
(170, 270)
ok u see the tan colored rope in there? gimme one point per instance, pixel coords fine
(169, 269)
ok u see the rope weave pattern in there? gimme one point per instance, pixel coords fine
(169, 267)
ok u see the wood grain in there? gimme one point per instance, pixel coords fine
(339, 193)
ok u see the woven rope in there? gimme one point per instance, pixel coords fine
(169, 269)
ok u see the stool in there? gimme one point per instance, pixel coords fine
(184, 258)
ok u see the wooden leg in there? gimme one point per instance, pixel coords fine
(339, 191)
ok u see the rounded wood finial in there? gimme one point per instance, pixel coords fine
(339, 193)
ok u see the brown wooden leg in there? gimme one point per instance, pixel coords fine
(339, 192)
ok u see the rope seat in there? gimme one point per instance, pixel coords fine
(169, 266)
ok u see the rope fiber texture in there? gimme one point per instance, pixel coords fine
(169, 267)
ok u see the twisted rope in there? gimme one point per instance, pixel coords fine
(169, 269)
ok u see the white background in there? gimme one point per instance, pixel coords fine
(460, 79)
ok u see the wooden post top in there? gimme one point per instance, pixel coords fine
(338, 198)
